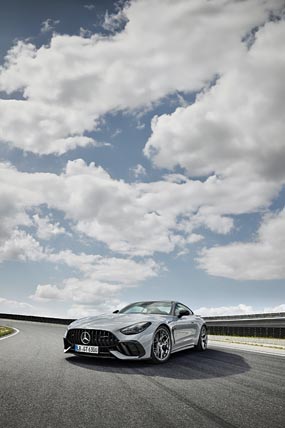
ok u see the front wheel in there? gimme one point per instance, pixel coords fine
(203, 340)
(161, 345)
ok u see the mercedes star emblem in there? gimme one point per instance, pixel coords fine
(85, 337)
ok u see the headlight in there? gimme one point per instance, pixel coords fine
(135, 328)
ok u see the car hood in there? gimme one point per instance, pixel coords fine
(117, 321)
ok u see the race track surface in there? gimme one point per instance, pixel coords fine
(41, 387)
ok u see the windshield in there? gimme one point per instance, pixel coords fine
(159, 308)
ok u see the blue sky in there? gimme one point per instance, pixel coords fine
(142, 155)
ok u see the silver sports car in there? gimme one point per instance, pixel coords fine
(142, 330)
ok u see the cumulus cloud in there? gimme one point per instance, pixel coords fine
(236, 138)
(36, 127)
(230, 139)
(97, 279)
(45, 228)
(83, 291)
(67, 85)
(21, 246)
(262, 259)
(228, 132)
(101, 278)
(122, 215)
(19, 192)
(130, 218)
(109, 269)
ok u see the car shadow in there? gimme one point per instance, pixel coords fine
(187, 364)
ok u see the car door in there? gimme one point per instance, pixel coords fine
(185, 328)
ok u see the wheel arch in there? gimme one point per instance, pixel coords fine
(169, 330)
(164, 325)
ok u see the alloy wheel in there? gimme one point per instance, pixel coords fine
(161, 344)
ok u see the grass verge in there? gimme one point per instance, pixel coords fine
(5, 330)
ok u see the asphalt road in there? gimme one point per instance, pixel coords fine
(41, 387)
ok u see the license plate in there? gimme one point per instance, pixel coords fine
(88, 349)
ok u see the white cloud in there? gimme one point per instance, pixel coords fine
(230, 132)
(82, 291)
(138, 171)
(99, 279)
(194, 237)
(133, 219)
(140, 126)
(84, 32)
(109, 269)
(21, 246)
(89, 6)
(115, 21)
(79, 311)
(35, 126)
(240, 309)
(18, 193)
(41, 309)
(68, 84)
(278, 308)
(45, 228)
(10, 306)
(49, 25)
(262, 259)
(236, 137)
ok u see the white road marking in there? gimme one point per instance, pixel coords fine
(10, 335)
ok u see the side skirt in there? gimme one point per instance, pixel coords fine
(182, 348)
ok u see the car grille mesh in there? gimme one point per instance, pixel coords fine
(98, 337)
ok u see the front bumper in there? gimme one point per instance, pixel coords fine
(108, 347)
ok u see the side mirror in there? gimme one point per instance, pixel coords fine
(116, 311)
(183, 312)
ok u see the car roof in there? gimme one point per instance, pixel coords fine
(173, 302)
(153, 301)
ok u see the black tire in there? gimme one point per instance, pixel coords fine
(203, 339)
(161, 345)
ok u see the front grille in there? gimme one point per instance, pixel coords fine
(102, 338)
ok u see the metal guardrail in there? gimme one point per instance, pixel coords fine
(265, 332)
(247, 316)
(254, 325)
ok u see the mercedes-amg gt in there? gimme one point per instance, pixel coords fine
(142, 330)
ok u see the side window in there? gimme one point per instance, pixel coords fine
(179, 307)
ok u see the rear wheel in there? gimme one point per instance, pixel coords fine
(161, 345)
(203, 339)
